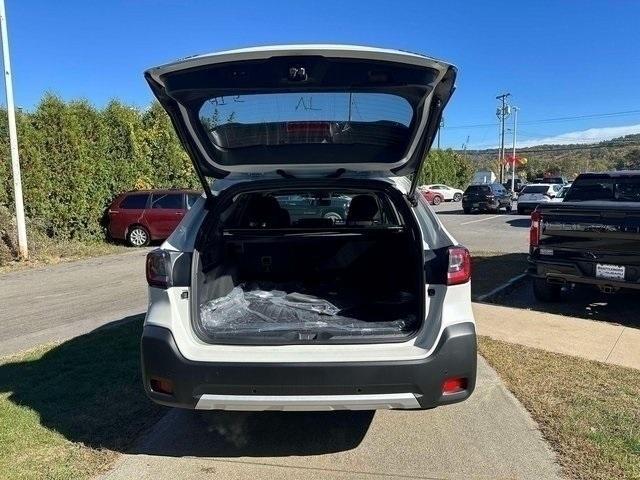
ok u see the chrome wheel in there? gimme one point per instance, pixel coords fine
(138, 237)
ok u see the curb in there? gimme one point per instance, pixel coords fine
(504, 288)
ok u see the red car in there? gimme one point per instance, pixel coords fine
(145, 215)
(434, 198)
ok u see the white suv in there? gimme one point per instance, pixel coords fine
(261, 301)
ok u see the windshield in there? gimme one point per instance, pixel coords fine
(478, 189)
(622, 189)
(536, 189)
(239, 121)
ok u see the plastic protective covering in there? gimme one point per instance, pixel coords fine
(271, 311)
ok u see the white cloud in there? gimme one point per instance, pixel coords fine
(592, 135)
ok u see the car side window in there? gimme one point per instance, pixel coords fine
(171, 201)
(191, 199)
(135, 202)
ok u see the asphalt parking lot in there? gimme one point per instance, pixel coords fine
(486, 232)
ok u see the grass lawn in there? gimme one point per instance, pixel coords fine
(490, 270)
(588, 411)
(66, 410)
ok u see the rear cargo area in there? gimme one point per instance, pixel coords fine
(334, 282)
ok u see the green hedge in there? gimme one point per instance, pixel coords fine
(76, 158)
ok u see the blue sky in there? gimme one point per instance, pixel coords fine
(558, 59)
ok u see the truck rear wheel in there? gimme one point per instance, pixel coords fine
(546, 292)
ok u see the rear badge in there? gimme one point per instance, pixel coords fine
(546, 251)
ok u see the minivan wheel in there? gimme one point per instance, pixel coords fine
(467, 211)
(138, 236)
(457, 197)
(546, 292)
(436, 200)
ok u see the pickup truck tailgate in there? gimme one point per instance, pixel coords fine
(593, 240)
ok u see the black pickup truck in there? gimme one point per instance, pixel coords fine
(592, 237)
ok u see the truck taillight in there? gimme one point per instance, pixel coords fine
(459, 270)
(536, 228)
(159, 269)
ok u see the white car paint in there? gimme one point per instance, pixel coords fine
(527, 199)
(447, 192)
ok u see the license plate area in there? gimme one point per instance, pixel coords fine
(610, 272)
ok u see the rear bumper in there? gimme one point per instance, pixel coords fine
(528, 205)
(481, 205)
(409, 384)
(568, 272)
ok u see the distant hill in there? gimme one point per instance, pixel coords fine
(568, 160)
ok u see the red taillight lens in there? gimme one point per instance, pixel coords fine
(454, 385)
(159, 269)
(161, 385)
(535, 230)
(459, 266)
(316, 128)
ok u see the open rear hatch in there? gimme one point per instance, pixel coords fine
(305, 110)
(323, 113)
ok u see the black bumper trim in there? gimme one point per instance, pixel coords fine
(570, 273)
(455, 356)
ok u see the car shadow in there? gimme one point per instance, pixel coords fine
(89, 390)
(490, 271)
(520, 222)
(581, 301)
(255, 434)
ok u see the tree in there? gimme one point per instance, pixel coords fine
(446, 166)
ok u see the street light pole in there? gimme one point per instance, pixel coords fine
(13, 138)
(513, 154)
(502, 114)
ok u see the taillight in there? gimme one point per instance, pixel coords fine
(159, 269)
(535, 230)
(454, 385)
(459, 266)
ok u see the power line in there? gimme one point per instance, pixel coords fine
(551, 120)
(525, 150)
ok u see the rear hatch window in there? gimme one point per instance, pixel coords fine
(278, 119)
(478, 190)
(541, 189)
(622, 189)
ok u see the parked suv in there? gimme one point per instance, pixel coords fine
(486, 197)
(536, 193)
(142, 216)
(250, 309)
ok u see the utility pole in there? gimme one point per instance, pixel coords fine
(503, 113)
(513, 153)
(13, 138)
(440, 128)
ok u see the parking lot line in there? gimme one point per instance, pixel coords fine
(481, 219)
